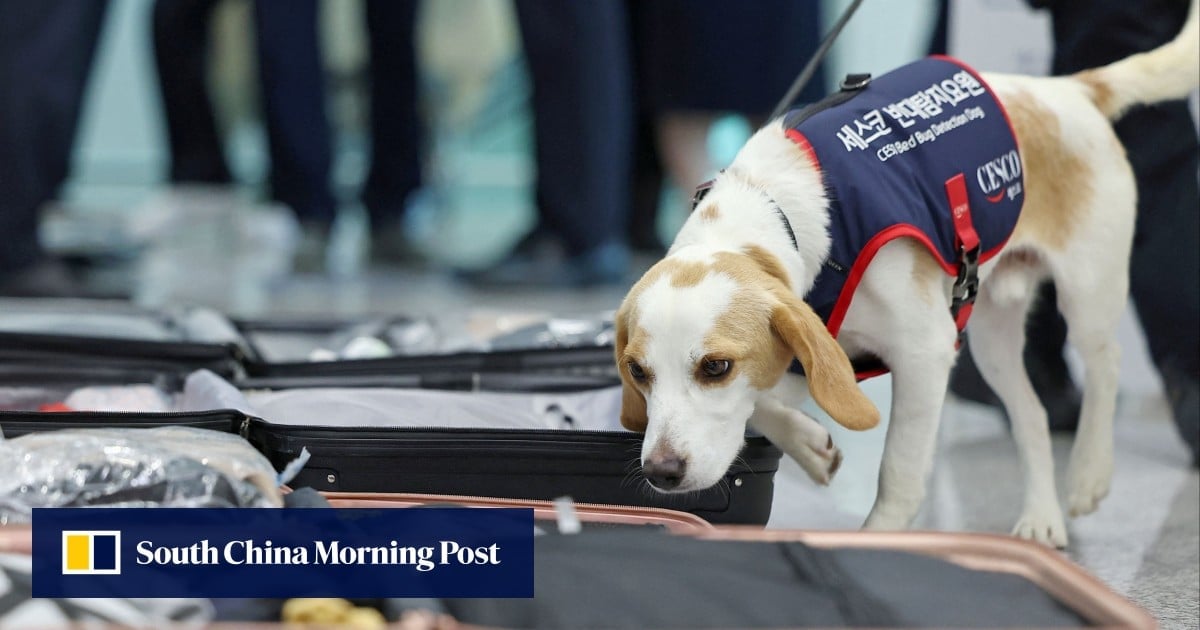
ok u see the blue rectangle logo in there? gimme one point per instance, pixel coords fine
(279, 553)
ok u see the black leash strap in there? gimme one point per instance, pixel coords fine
(811, 67)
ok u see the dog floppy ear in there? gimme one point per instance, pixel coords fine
(831, 379)
(633, 404)
(633, 407)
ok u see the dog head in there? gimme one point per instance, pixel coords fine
(698, 340)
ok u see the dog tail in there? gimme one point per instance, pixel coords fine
(1166, 73)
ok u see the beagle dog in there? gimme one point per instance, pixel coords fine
(705, 339)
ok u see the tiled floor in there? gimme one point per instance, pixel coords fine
(1144, 540)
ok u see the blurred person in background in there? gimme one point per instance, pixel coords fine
(577, 55)
(696, 61)
(295, 115)
(180, 30)
(1162, 147)
(46, 54)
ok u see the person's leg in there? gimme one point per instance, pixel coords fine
(181, 47)
(577, 54)
(396, 141)
(646, 185)
(1165, 269)
(293, 92)
(46, 51)
(647, 180)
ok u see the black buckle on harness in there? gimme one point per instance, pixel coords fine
(966, 285)
(855, 81)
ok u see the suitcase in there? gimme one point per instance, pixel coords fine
(1050, 570)
(408, 451)
(593, 463)
(31, 398)
(545, 513)
(279, 348)
(14, 424)
(1091, 601)
(117, 335)
(766, 579)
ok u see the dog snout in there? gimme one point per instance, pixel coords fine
(665, 472)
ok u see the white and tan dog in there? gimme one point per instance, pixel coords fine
(704, 339)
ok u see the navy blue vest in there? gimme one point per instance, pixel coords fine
(926, 152)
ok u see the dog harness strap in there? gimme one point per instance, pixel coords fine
(966, 284)
(960, 211)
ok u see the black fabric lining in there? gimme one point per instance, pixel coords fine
(820, 571)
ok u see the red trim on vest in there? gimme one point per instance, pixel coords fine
(867, 374)
(859, 268)
(799, 139)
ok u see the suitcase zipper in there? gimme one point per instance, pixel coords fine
(371, 437)
(14, 423)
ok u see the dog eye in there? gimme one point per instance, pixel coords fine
(715, 367)
(636, 371)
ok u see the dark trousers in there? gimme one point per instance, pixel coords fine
(46, 51)
(293, 97)
(577, 53)
(293, 92)
(396, 137)
(1161, 143)
(180, 32)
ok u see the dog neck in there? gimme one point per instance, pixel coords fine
(771, 197)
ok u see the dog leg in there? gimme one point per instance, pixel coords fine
(919, 381)
(997, 336)
(1092, 314)
(801, 437)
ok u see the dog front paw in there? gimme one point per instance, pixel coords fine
(820, 460)
(1045, 526)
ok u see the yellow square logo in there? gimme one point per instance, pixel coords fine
(91, 552)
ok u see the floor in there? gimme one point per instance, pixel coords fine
(1144, 541)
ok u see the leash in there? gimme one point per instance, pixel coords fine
(811, 67)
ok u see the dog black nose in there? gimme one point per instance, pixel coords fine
(665, 473)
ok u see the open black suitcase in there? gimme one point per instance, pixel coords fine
(114, 335)
(561, 436)
(522, 436)
(118, 335)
